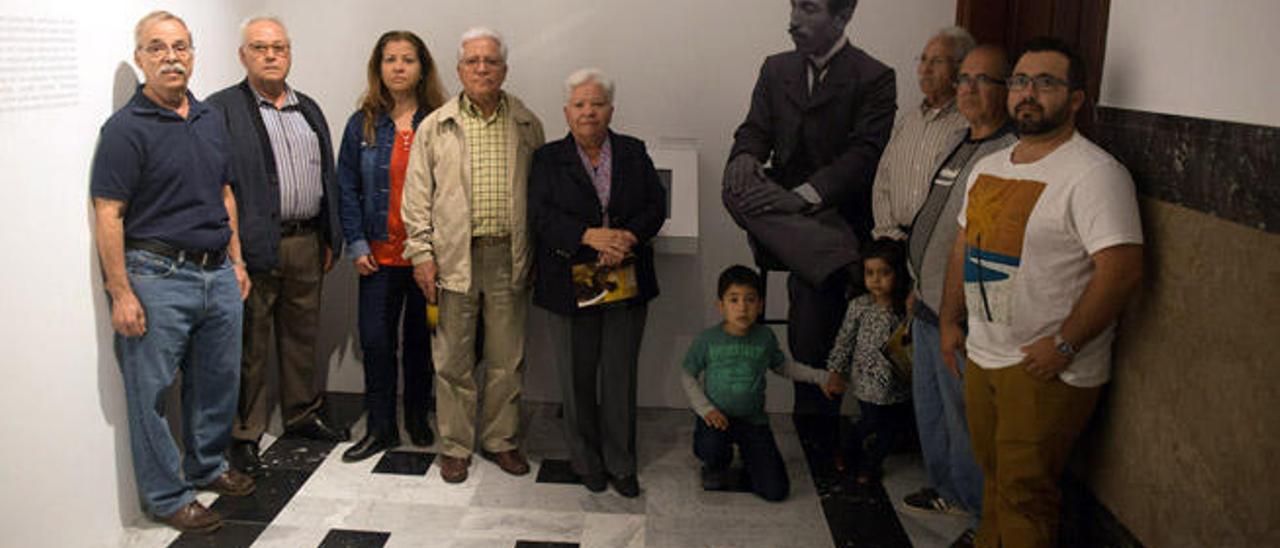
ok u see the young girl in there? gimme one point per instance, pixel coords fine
(883, 398)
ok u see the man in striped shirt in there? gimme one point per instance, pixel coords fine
(286, 186)
(920, 134)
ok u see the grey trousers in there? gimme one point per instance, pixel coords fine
(810, 246)
(599, 348)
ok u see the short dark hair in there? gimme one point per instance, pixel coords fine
(1075, 64)
(837, 6)
(738, 275)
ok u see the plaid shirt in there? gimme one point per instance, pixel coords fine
(487, 151)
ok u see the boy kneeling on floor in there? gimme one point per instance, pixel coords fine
(724, 377)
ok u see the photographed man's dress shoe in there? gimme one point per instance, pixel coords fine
(232, 483)
(372, 444)
(314, 428)
(511, 462)
(594, 482)
(243, 456)
(627, 486)
(421, 434)
(194, 518)
(453, 469)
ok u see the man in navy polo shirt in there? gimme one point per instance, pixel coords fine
(165, 230)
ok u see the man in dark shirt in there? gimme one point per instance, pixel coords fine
(821, 116)
(166, 236)
(287, 191)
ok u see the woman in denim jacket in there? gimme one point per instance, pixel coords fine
(404, 86)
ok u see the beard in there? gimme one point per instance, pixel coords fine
(1035, 119)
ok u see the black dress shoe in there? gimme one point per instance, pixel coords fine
(372, 444)
(594, 482)
(421, 435)
(626, 486)
(313, 427)
(243, 456)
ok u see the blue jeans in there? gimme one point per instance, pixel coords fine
(940, 417)
(193, 320)
(760, 456)
(388, 297)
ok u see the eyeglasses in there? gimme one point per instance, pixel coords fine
(1043, 82)
(474, 62)
(158, 50)
(261, 49)
(965, 80)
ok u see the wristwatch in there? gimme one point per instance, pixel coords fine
(1064, 347)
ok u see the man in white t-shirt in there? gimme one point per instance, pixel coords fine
(1049, 251)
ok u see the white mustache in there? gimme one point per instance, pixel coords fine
(173, 67)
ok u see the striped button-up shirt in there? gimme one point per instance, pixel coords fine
(486, 140)
(296, 149)
(905, 171)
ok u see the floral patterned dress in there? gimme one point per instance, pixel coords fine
(856, 351)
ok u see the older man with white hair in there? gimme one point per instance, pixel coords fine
(464, 212)
(287, 190)
(920, 134)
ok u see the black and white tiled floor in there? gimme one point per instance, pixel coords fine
(309, 497)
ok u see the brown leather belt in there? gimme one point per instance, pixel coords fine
(486, 241)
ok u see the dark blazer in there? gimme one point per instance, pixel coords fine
(256, 184)
(834, 139)
(563, 204)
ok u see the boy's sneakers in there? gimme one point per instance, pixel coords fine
(929, 501)
(965, 540)
(715, 479)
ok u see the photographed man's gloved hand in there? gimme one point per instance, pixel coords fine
(771, 198)
(743, 172)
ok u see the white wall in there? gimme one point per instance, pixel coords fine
(66, 472)
(684, 71)
(1193, 58)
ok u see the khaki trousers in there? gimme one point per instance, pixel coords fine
(284, 302)
(1023, 429)
(453, 349)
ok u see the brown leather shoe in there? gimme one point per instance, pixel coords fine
(453, 469)
(232, 482)
(511, 462)
(194, 518)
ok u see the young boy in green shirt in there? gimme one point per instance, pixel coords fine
(724, 377)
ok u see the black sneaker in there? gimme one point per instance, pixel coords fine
(929, 501)
(965, 540)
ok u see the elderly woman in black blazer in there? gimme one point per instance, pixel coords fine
(595, 203)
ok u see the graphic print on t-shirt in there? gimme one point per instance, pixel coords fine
(995, 226)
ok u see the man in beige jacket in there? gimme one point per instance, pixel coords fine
(464, 211)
